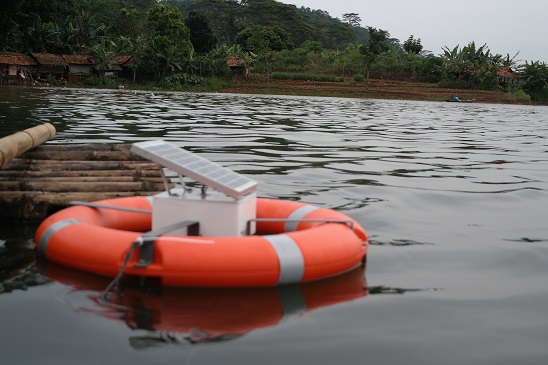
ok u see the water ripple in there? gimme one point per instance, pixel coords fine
(343, 153)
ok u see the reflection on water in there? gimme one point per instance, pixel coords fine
(453, 197)
(168, 315)
(185, 315)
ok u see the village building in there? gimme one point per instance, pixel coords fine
(38, 67)
(122, 60)
(50, 64)
(238, 67)
(128, 67)
(114, 69)
(79, 67)
(507, 76)
(16, 67)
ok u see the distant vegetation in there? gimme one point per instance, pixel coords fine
(183, 42)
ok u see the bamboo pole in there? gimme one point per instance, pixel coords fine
(20, 142)
(75, 155)
(80, 186)
(35, 206)
(55, 165)
(18, 174)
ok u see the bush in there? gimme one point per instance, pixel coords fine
(359, 78)
(50, 79)
(536, 83)
(516, 93)
(179, 81)
(541, 95)
(101, 81)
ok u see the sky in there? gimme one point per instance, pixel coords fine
(506, 27)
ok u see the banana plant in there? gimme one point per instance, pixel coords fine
(103, 57)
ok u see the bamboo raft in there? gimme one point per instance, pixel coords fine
(45, 178)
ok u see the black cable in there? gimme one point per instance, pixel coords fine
(103, 297)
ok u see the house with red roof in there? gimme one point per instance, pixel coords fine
(508, 76)
(79, 66)
(238, 66)
(16, 66)
(50, 64)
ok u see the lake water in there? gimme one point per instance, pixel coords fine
(453, 196)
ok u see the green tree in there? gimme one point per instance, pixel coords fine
(262, 41)
(102, 10)
(140, 4)
(275, 14)
(217, 58)
(134, 47)
(412, 45)
(226, 17)
(472, 64)
(167, 56)
(509, 61)
(262, 38)
(352, 60)
(376, 45)
(311, 46)
(168, 48)
(130, 23)
(201, 33)
(536, 76)
(332, 33)
(21, 18)
(82, 32)
(353, 19)
(132, 37)
(168, 21)
(46, 37)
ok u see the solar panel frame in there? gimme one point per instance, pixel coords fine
(188, 164)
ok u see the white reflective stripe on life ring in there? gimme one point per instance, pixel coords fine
(290, 258)
(294, 218)
(54, 228)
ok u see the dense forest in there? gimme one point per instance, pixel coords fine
(181, 42)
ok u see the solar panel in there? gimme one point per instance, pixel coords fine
(195, 167)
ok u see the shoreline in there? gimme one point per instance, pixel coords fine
(375, 89)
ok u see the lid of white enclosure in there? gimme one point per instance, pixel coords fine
(188, 164)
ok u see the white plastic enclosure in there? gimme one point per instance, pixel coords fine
(217, 214)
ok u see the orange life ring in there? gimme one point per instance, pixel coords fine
(303, 248)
